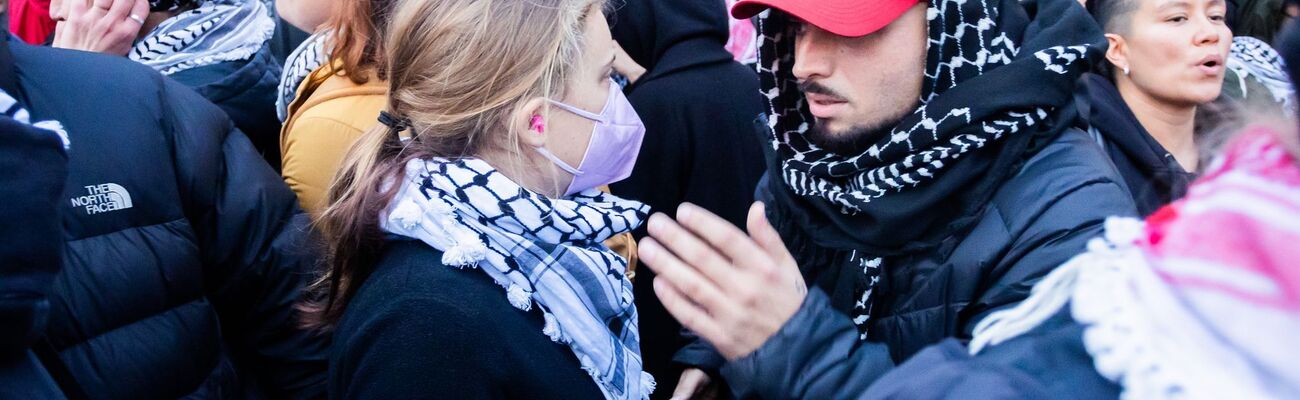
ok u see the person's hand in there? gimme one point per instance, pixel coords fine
(103, 26)
(732, 289)
(624, 64)
(695, 384)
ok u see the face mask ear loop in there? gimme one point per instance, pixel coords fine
(577, 111)
(558, 162)
(613, 87)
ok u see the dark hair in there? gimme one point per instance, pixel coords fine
(358, 34)
(1114, 16)
(1288, 45)
(1260, 19)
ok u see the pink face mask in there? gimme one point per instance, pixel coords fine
(614, 146)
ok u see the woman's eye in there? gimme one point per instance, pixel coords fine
(1177, 19)
(1217, 18)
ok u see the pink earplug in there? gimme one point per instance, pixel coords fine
(537, 124)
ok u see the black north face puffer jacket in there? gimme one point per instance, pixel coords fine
(184, 250)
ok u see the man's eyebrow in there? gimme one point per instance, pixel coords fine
(1175, 4)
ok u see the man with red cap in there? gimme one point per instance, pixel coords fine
(923, 173)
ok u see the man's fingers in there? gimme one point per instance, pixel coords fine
(691, 383)
(765, 235)
(57, 11)
(688, 313)
(118, 10)
(76, 8)
(83, 15)
(139, 8)
(96, 9)
(694, 286)
(733, 243)
(58, 35)
(687, 246)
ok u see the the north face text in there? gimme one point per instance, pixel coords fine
(103, 198)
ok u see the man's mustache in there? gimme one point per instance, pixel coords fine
(816, 88)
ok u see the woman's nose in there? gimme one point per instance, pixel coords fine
(1210, 32)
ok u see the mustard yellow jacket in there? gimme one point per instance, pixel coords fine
(328, 115)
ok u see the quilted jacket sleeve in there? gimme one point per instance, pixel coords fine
(816, 355)
(255, 244)
(33, 168)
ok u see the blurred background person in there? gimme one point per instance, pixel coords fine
(332, 88)
(742, 40)
(1166, 58)
(465, 232)
(219, 48)
(30, 20)
(1255, 81)
(1260, 19)
(701, 110)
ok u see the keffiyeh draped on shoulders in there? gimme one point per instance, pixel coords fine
(309, 56)
(1202, 301)
(215, 32)
(1251, 58)
(543, 252)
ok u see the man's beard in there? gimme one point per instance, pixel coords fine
(857, 138)
(853, 141)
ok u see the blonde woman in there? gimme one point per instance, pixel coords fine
(465, 232)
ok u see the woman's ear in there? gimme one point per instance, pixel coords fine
(1117, 52)
(531, 121)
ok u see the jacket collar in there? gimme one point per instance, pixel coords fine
(1117, 124)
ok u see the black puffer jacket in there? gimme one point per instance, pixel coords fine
(1035, 222)
(926, 261)
(1048, 362)
(33, 167)
(184, 251)
(246, 91)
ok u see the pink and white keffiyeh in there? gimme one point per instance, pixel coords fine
(1202, 301)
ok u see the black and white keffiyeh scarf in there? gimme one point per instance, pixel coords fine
(168, 5)
(309, 55)
(1252, 58)
(217, 31)
(997, 78)
(542, 251)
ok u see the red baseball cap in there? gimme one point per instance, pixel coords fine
(850, 18)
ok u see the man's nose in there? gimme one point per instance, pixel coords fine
(813, 53)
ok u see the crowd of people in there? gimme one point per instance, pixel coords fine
(649, 199)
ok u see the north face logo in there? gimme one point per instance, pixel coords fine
(103, 198)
